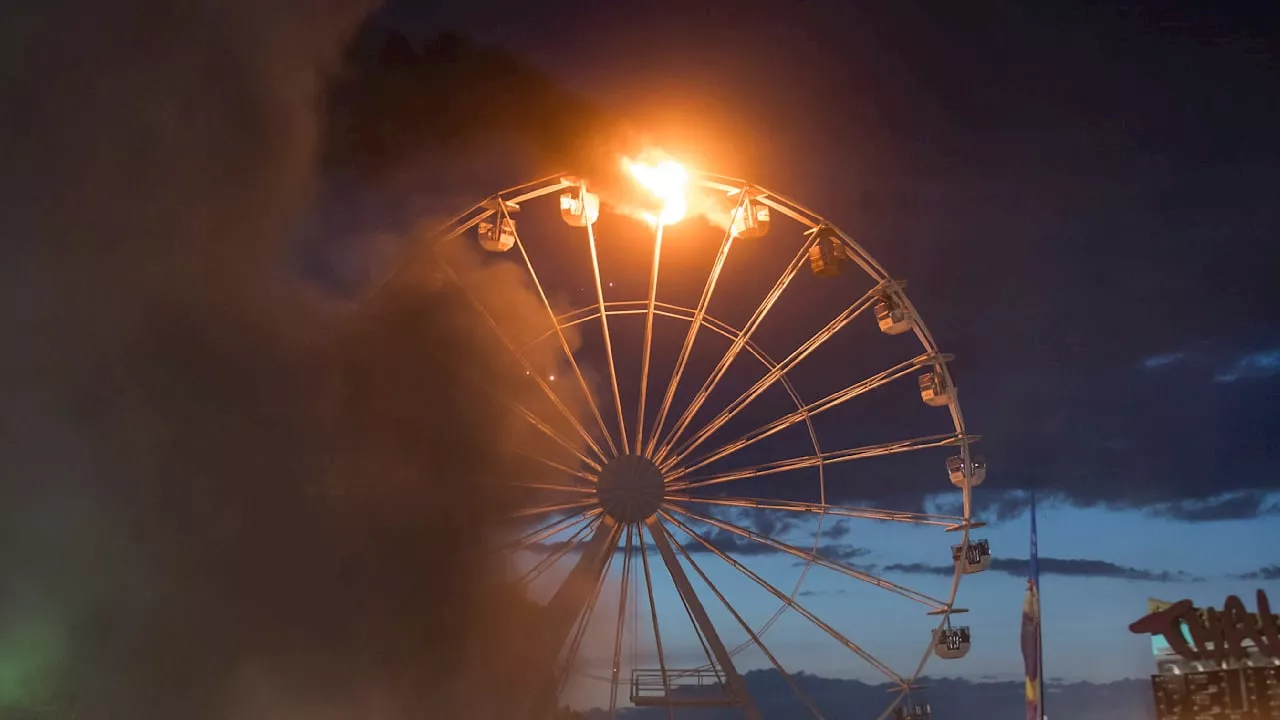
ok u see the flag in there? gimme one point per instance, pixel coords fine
(1032, 653)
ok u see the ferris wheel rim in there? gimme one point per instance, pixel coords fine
(804, 216)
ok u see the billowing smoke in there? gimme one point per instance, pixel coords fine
(223, 494)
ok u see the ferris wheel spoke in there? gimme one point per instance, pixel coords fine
(787, 600)
(551, 433)
(800, 414)
(776, 372)
(698, 315)
(525, 364)
(737, 687)
(743, 337)
(619, 630)
(861, 513)
(808, 555)
(529, 512)
(837, 456)
(648, 335)
(608, 343)
(568, 351)
(560, 466)
(555, 527)
(550, 486)
(657, 632)
(755, 638)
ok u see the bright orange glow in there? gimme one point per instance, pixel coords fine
(668, 181)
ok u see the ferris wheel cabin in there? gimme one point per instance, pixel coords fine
(974, 558)
(893, 317)
(951, 643)
(579, 208)
(750, 220)
(827, 254)
(915, 711)
(934, 389)
(972, 476)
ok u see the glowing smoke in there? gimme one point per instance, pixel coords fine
(224, 495)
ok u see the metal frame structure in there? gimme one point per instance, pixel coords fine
(676, 452)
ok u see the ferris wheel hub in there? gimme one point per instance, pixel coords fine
(630, 488)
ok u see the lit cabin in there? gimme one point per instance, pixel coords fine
(827, 255)
(976, 474)
(579, 208)
(751, 220)
(892, 315)
(973, 559)
(951, 643)
(499, 236)
(934, 389)
(913, 711)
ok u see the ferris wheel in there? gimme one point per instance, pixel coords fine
(732, 399)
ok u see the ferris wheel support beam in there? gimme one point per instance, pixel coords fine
(725, 244)
(803, 413)
(755, 638)
(786, 599)
(562, 672)
(568, 351)
(743, 337)
(608, 343)
(932, 603)
(736, 685)
(577, 593)
(764, 383)
(648, 336)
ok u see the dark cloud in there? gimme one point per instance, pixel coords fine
(1270, 572)
(836, 530)
(815, 593)
(1055, 566)
(1251, 366)
(1229, 506)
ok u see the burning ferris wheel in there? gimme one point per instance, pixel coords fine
(739, 410)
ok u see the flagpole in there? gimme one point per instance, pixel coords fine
(1040, 601)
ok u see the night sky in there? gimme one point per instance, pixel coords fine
(1082, 197)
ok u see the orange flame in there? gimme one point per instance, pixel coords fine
(668, 181)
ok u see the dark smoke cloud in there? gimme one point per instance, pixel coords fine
(224, 495)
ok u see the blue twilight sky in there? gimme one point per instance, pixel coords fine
(1082, 199)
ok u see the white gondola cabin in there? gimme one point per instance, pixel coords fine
(977, 471)
(498, 234)
(827, 255)
(934, 389)
(579, 208)
(893, 317)
(973, 559)
(951, 643)
(750, 220)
